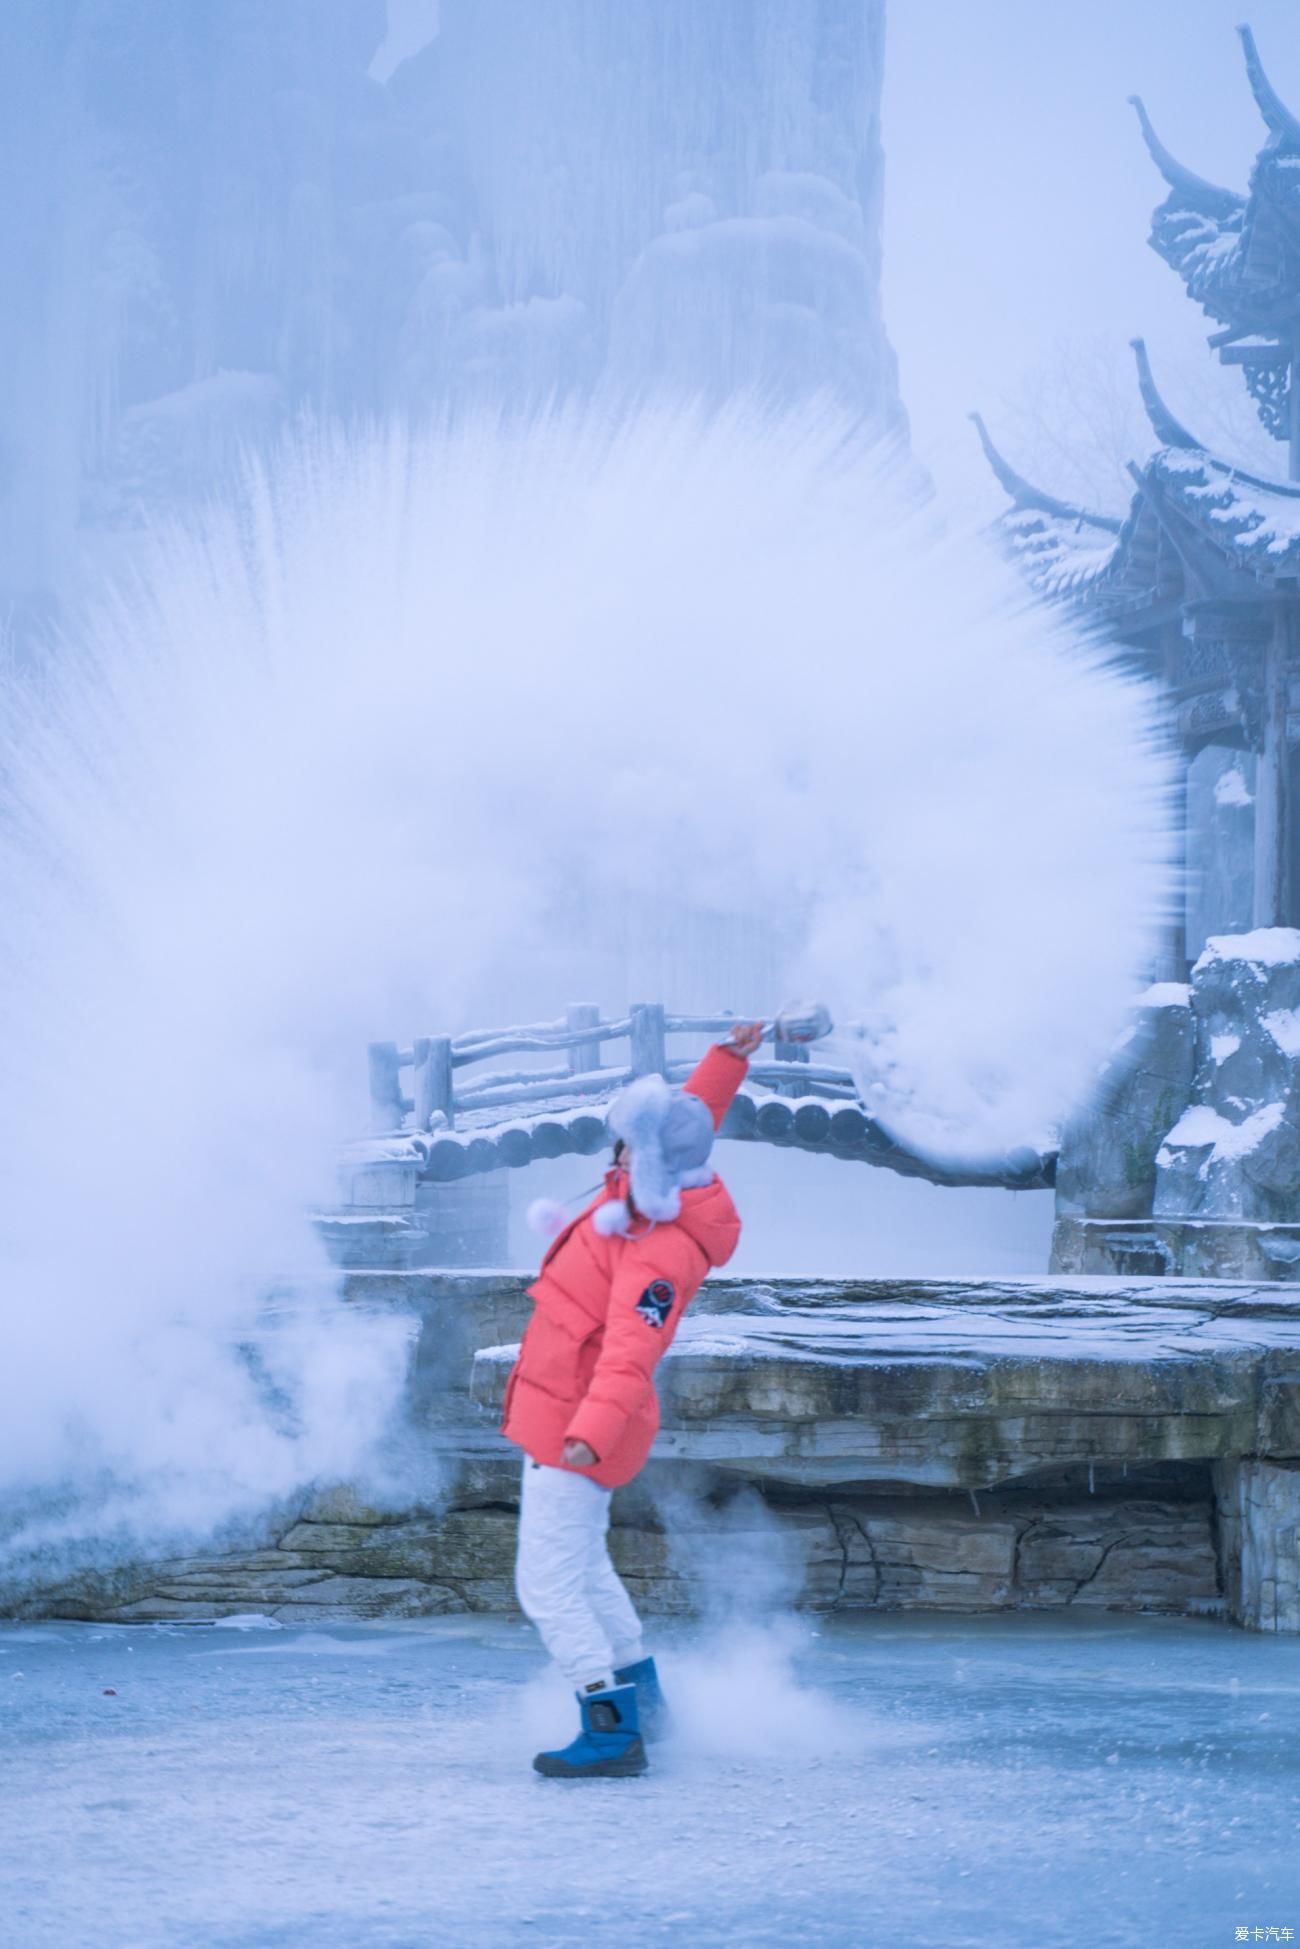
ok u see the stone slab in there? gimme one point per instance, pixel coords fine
(1197, 1248)
(930, 1385)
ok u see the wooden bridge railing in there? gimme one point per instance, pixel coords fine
(540, 1113)
(440, 1090)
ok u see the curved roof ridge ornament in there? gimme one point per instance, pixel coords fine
(1026, 495)
(1168, 430)
(1208, 198)
(1282, 124)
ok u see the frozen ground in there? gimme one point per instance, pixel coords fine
(1015, 1783)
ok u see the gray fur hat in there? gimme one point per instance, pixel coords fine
(670, 1134)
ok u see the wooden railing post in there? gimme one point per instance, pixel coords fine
(789, 1052)
(583, 1056)
(433, 1081)
(386, 1103)
(649, 1053)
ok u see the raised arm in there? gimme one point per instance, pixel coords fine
(721, 1070)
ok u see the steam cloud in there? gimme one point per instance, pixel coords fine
(395, 741)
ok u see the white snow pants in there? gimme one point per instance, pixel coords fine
(565, 1581)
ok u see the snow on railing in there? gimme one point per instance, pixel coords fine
(438, 1094)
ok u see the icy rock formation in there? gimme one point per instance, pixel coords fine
(190, 192)
(663, 195)
(1235, 1151)
(1257, 1506)
(1187, 1159)
(1107, 1166)
(216, 218)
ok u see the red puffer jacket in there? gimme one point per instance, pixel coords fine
(606, 1309)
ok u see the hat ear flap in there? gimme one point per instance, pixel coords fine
(652, 1188)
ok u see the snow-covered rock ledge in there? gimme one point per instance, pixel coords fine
(944, 1384)
(917, 1444)
(882, 1404)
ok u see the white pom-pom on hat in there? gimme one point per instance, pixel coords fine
(546, 1217)
(612, 1217)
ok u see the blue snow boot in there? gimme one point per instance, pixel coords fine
(655, 1720)
(609, 1744)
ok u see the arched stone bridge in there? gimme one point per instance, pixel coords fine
(449, 1127)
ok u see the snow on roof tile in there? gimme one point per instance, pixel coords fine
(1257, 520)
(1059, 557)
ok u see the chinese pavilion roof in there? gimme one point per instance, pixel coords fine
(1239, 256)
(1254, 523)
(1197, 528)
(1063, 549)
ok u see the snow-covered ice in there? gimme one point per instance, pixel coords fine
(1036, 1782)
(1166, 994)
(1202, 1128)
(1283, 1024)
(1269, 947)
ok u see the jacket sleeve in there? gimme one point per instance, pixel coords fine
(716, 1078)
(654, 1284)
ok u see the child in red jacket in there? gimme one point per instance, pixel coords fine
(581, 1400)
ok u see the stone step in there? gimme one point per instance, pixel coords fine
(972, 1384)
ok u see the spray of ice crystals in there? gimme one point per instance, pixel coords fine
(411, 724)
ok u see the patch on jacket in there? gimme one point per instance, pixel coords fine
(656, 1302)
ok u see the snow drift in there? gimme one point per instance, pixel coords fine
(405, 735)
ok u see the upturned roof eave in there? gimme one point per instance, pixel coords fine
(1217, 566)
(1196, 192)
(1025, 497)
(1166, 426)
(1226, 290)
(1228, 564)
(1283, 126)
